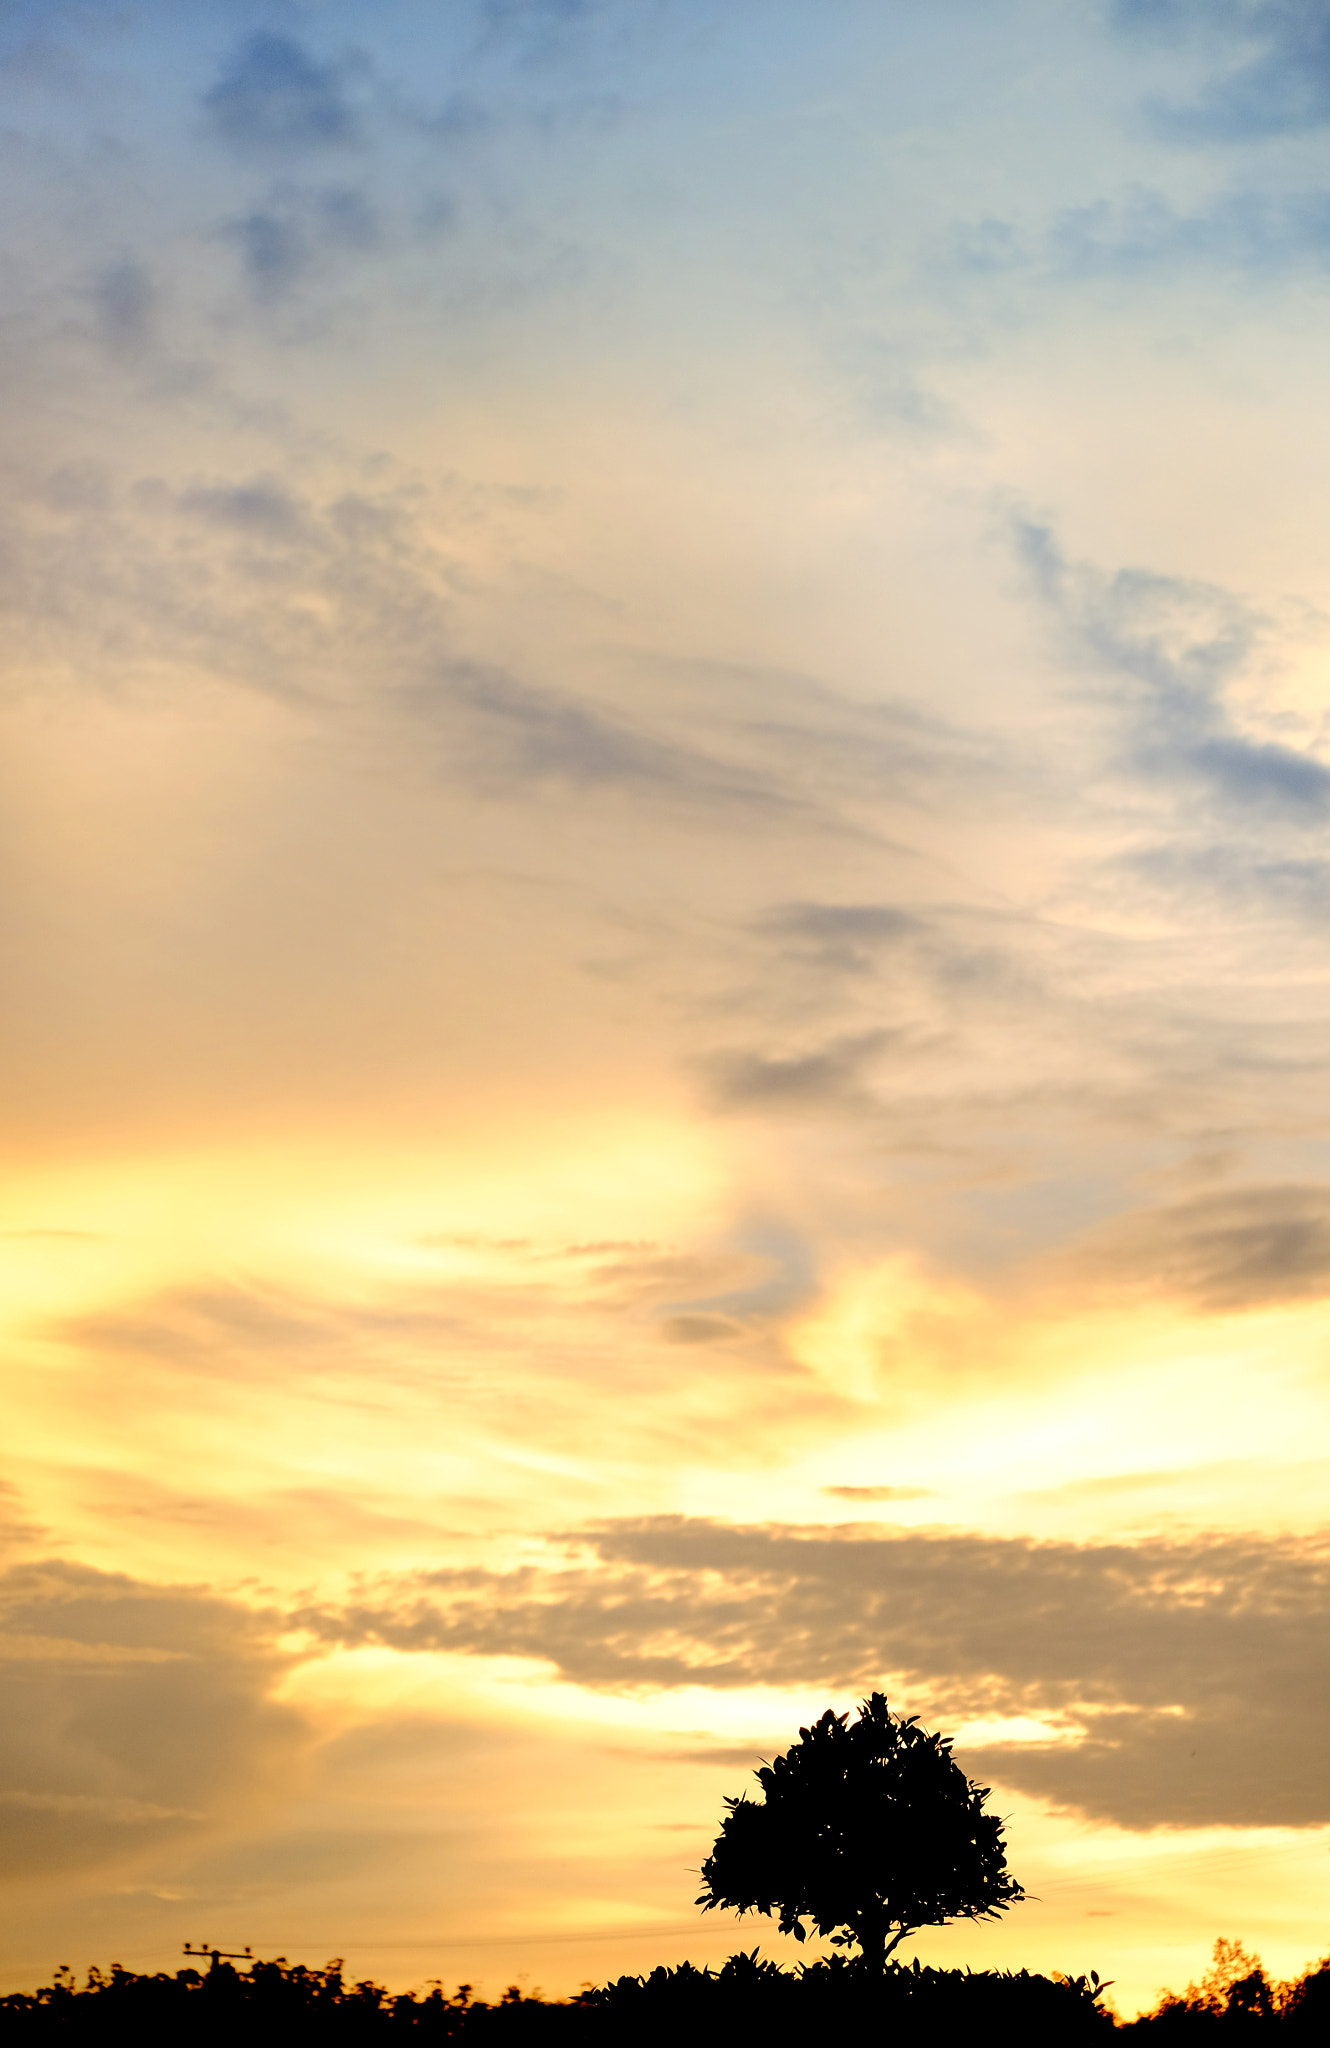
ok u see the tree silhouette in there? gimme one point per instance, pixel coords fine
(870, 1830)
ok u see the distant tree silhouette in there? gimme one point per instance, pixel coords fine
(1234, 1983)
(870, 1830)
(1236, 1991)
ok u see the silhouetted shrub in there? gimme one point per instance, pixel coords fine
(746, 1999)
(269, 2003)
(837, 1999)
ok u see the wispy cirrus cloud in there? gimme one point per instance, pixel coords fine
(1182, 644)
(1238, 1248)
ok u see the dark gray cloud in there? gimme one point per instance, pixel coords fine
(789, 724)
(1279, 84)
(346, 216)
(261, 507)
(1242, 1248)
(700, 1329)
(282, 241)
(911, 979)
(1177, 635)
(1195, 1672)
(835, 1071)
(1180, 643)
(507, 732)
(132, 1714)
(546, 735)
(1142, 235)
(860, 923)
(1243, 232)
(844, 938)
(274, 96)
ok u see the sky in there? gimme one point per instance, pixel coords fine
(667, 765)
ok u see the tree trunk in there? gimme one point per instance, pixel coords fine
(874, 1948)
(872, 1939)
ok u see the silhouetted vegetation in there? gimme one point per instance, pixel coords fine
(1236, 1995)
(864, 1829)
(269, 2002)
(746, 1999)
(870, 1830)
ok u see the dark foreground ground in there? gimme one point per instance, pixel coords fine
(746, 2002)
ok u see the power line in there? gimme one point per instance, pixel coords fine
(1164, 1868)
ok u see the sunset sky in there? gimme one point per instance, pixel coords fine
(666, 740)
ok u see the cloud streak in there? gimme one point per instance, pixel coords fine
(1241, 1248)
(1188, 1671)
(1182, 643)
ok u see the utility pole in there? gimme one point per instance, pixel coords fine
(220, 1955)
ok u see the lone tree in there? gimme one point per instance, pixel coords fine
(870, 1830)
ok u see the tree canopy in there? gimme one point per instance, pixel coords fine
(869, 1830)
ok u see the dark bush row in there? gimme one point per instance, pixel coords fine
(291, 2003)
(824, 2001)
(747, 1999)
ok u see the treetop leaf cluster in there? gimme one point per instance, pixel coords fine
(868, 1830)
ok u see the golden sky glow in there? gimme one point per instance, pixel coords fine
(666, 775)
